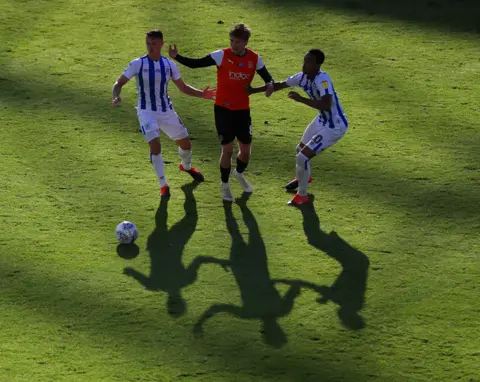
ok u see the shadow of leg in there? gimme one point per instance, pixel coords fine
(348, 290)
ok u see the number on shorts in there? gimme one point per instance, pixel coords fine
(250, 130)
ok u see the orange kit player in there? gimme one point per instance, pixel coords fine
(236, 67)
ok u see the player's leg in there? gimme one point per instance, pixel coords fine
(309, 132)
(302, 171)
(185, 152)
(225, 168)
(223, 124)
(171, 124)
(323, 138)
(293, 184)
(156, 159)
(151, 132)
(242, 162)
(243, 132)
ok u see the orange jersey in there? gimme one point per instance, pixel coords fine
(234, 74)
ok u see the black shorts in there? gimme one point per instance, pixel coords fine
(233, 124)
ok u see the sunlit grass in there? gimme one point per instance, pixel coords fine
(401, 188)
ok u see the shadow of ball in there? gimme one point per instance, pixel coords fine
(128, 251)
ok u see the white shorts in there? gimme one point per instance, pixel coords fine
(151, 122)
(319, 137)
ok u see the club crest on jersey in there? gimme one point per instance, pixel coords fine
(250, 64)
(325, 84)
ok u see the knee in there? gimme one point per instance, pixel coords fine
(184, 144)
(244, 156)
(244, 152)
(155, 147)
(227, 149)
(302, 160)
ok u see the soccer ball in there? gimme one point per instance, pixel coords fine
(126, 232)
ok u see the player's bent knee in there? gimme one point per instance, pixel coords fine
(155, 147)
(308, 152)
(184, 144)
(302, 159)
(244, 157)
(227, 149)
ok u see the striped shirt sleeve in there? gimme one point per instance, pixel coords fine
(294, 81)
(132, 68)
(175, 71)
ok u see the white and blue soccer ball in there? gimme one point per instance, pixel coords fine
(126, 232)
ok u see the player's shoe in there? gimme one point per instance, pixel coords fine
(227, 193)
(293, 185)
(165, 192)
(298, 200)
(247, 187)
(194, 173)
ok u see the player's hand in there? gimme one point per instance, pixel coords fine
(270, 89)
(172, 51)
(116, 101)
(209, 93)
(248, 89)
(295, 96)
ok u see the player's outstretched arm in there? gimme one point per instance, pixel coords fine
(190, 62)
(189, 90)
(261, 89)
(117, 88)
(269, 82)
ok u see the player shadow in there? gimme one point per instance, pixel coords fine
(248, 263)
(165, 246)
(348, 290)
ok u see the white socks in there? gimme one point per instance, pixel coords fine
(158, 166)
(226, 193)
(302, 173)
(186, 157)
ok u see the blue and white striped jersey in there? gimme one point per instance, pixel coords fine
(152, 82)
(316, 88)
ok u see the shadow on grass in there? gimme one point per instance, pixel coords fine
(110, 321)
(165, 246)
(248, 262)
(128, 251)
(457, 15)
(348, 290)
